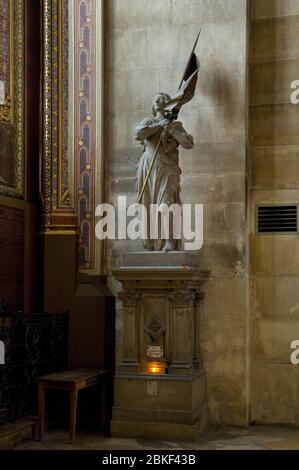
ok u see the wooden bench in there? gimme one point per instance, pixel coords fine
(72, 380)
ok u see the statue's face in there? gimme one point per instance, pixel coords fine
(159, 102)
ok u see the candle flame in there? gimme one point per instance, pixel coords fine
(156, 368)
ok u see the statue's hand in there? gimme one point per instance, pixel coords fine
(171, 126)
(164, 122)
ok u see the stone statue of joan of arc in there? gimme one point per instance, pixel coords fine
(158, 175)
(163, 185)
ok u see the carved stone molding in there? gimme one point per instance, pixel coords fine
(154, 328)
(160, 307)
(129, 298)
(183, 299)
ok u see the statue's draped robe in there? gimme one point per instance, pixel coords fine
(163, 186)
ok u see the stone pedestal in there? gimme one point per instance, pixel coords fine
(161, 297)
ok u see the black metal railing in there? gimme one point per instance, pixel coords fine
(34, 345)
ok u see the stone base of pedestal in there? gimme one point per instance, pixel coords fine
(161, 296)
(161, 407)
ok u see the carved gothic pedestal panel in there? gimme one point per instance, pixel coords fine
(160, 385)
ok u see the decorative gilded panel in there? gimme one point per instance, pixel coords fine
(46, 148)
(66, 196)
(85, 126)
(71, 105)
(12, 112)
(5, 29)
(57, 191)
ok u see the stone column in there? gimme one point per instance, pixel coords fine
(182, 328)
(129, 363)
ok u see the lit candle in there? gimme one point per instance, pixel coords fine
(157, 368)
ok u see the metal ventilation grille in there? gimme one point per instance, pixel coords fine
(277, 219)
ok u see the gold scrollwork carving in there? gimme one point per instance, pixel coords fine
(5, 113)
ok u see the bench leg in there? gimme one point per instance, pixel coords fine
(73, 414)
(41, 411)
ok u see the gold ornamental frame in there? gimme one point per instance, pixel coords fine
(14, 109)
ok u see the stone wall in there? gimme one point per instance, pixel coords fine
(149, 43)
(274, 147)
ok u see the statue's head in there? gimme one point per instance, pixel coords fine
(159, 102)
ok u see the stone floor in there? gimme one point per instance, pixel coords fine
(254, 438)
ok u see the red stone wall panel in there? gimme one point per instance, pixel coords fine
(12, 229)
